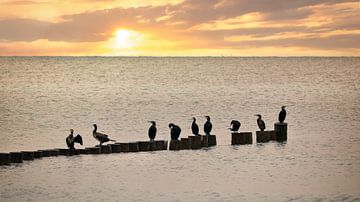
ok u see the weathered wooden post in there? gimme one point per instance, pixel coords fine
(105, 149)
(175, 145)
(5, 159)
(94, 150)
(195, 142)
(16, 157)
(281, 131)
(144, 146)
(28, 155)
(152, 146)
(54, 152)
(272, 134)
(38, 154)
(185, 143)
(212, 140)
(204, 141)
(161, 144)
(133, 146)
(115, 148)
(124, 147)
(45, 153)
(64, 152)
(262, 136)
(241, 138)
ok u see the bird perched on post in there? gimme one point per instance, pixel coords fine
(174, 131)
(235, 126)
(71, 140)
(207, 126)
(100, 136)
(282, 114)
(195, 127)
(152, 130)
(260, 122)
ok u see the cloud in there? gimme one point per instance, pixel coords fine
(199, 23)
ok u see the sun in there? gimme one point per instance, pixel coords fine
(127, 38)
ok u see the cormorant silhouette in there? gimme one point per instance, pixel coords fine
(260, 122)
(100, 136)
(195, 127)
(152, 130)
(282, 114)
(174, 131)
(235, 126)
(70, 140)
(207, 126)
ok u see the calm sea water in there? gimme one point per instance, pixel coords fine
(43, 97)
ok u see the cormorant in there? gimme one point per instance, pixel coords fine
(174, 131)
(282, 114)
(100, 136)
(152, 130)
(235, 126)
(260, 122)
(195, 127)
(70, 140)
(207, 126)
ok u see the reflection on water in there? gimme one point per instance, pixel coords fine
(41, 98)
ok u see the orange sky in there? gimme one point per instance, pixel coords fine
(180, 27)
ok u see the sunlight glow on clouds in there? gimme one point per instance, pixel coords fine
(181, 27)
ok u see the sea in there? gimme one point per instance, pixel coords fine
(42, 98)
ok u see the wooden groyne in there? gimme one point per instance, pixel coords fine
(189, 143)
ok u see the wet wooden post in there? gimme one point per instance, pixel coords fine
(185, 143)
(152, 146)
(241, 138)
(204, 141)
(64, 152)
(124, 147)
(212, 140)
(94, 150)
(54, 152)
(133, 146)
(38, 154)
(262, 136)
(45, 153)
(115, 148)
(281, 131)
(161, 144)
(105, 149)
(28, 155)
(175, 145)
(144, 146)
(195, 142)
(272, 134)
(82, 151)
(16, 157)
(5, 159)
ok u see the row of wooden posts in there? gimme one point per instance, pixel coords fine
(192, 142)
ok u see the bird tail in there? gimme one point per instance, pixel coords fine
(112, 140)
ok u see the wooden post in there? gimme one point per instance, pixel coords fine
(45, 153)
(153, 146)
(115, 148)
(133, 146)
(124, 147)
(16, 157)
(144, 146)
(212, 140)
(204, 141)
(161, 144)
(28, 155)
(64, 152)
(38, 154)
(185, 143)
(281, 131)
(54, 152)
(272, 134)
(262, 136)
(5, 159)
(82, 151)
(241, 138)
(195, 142)
(105, 149)
(174, 145)
(94, 150)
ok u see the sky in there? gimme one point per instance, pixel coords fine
(180, 27)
